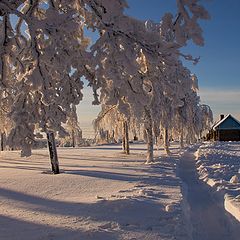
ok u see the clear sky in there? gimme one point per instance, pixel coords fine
(219, 68)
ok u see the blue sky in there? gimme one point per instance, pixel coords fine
(219, 68)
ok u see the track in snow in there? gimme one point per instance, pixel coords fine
(209, 221)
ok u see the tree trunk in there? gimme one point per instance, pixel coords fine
(113, 137)
(166, 141)
(149, 145)
(107, 136)
(135, 138)
(149, 133)
(188, 141)
(73, 139)
(2, 141)
(127, 151)
(125, 138)
(53, 152)
(200, 136)
(181, 139)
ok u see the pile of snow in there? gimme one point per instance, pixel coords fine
(218, 165)
(101, 194)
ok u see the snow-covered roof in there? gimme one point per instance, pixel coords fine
(228, 122)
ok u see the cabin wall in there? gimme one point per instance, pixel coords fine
(227, 135)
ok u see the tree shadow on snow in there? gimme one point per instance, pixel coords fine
(127, 214)
(106, 175)
(15, 229)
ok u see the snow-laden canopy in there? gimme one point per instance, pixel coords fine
(44, 54)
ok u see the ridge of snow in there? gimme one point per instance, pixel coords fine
(218, 165)
(232, 205)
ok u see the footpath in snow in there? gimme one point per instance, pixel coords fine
(209, 219)
(101, 194)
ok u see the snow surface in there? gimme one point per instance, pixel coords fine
(209, 220)
(100, 194)
(218, 164)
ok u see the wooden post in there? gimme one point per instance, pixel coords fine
(53, 152)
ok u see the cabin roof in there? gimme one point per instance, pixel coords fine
(228, 122)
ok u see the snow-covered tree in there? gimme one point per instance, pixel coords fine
(47, 52)
(73, 127)
(111, 120)
(5, 122)
(43, 59)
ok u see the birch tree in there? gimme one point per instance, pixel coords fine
(47, 52)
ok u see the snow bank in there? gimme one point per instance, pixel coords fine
(232, 205)
(218, 165)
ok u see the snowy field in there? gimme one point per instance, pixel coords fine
(101, 194)
(218, 165)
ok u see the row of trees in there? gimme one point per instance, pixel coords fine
(133, 66)
(185, 122)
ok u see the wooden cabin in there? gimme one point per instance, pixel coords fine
(226, 129)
